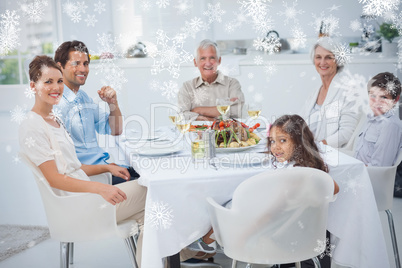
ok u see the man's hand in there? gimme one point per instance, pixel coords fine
(119, 171)
(234, 99)
(112, 194)
(108, 95)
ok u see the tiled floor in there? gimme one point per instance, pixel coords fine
(112, 253)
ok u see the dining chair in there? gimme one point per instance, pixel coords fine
(81, 217)
(383, 180)
(276, 217)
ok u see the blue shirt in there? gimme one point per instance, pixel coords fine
(380, 140)
(82, 119)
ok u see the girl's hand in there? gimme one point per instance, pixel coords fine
(119, 171)
(112, 194)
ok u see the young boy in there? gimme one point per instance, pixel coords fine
(380, 140)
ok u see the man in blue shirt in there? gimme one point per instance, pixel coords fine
(81, 116)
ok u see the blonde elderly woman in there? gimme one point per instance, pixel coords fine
(333, 111)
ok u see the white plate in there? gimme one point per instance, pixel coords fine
(243, 159)
(148, 151)
(234, 149)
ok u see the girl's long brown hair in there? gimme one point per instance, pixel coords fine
(306, 152)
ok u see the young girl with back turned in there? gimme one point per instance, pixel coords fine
(291, 144)
(45, 142)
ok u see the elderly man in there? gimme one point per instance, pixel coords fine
(197, 97)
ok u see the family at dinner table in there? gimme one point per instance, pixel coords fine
(67, 152)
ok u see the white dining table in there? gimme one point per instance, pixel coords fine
(176, 211)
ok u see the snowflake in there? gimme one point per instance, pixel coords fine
(160, 215)
(9, 32)
(214, 12)
(18, 114)
(352, 184)
(69, 8)
(230, 27)
(254, 8)
(250, 75)
(199, 96)
(301, 225)
(16, 159)
(379, 7)
(263, 25)
(270, 68)
(34, 11)
(342, 54)
(250, 88)
(183, 7)
(227, 69)
(29, 93)
(258, 97)
(99, 7)
(76, 17)
(333, 8)
(330, 24)
(324, 248)
(258, 60)
(270, 44)
(146, 5)
(30, 142)
(114, 76)
(170, 89)
(299, 38)
(170, 56)
(91, 20)
(193, 27)
(162, 3)
(77, 107)
(81, 6)
(56, 113)
(290, 12)
(355, 25)
(154, 85)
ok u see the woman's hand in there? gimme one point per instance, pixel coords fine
(119, 171)
(112, 194)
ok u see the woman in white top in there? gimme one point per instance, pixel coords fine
(332, 111)
(47, 144)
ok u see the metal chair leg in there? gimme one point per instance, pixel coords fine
(131, 250)
(298, 264)
(393, 238)
(317, 263)
(234, 263)
(71, 252)
(64, 254)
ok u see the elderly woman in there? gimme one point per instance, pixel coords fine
(332, 112)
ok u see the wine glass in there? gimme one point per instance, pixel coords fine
(254, 110)
(172, 114)
(223, 106)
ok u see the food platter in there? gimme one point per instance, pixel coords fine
(234, 149)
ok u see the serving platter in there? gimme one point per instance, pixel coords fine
(234, 149)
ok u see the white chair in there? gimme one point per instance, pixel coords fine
(105, 178)
(81, 217)
(383, 180)
(276, 217)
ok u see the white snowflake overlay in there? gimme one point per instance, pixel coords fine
(342, 54)
(18, 114)
(34, 11)
(169, 55)
(76, 10)
(160, 215)
(290, 12)
(324, 248)
(352, 184)
(9, 32)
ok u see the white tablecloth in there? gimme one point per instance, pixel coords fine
(176, 210)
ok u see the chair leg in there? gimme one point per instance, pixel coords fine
(131, 250)
(298, 264)
(317, 263)
(71, 252)
(64, 254)
(393, 238)
(234, 263)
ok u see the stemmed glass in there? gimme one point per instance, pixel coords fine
(223, 106)
(183, 123)
(254, 110)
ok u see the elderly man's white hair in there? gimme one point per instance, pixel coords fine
(330, 45)
(205, 44)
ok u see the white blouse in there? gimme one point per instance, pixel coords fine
(41, 142)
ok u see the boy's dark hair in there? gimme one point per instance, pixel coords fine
(306, 152)
(386, 81)
(35, 67)
(62, 53)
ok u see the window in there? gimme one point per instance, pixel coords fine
(27, 28)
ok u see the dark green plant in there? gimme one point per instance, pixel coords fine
(388, 31)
